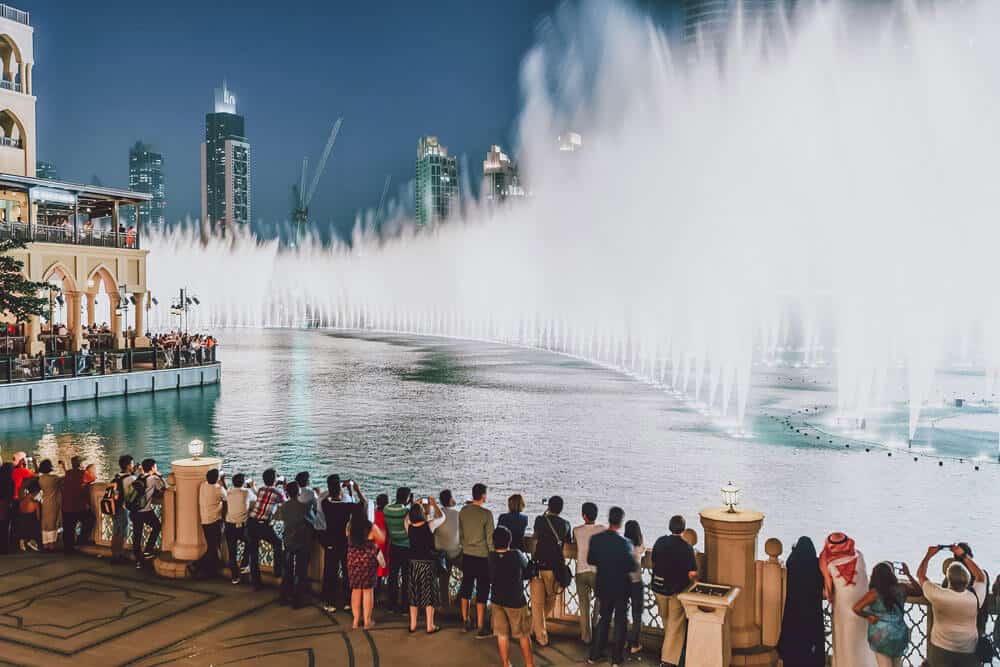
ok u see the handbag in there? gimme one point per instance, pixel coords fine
(985, 651)
(560, 570)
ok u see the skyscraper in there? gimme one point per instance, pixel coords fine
(47, 170)
(500, 176)
(225, 165)
(437, 182)
(145, 174)
(709, 21)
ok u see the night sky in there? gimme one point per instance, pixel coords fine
(110, 73)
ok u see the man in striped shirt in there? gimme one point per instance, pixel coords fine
(259, 525)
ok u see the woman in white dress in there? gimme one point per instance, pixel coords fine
(846, 582)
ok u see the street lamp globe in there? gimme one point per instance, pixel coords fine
(196, 448)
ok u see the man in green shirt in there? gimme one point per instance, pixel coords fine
(399, 547)
(475, 532)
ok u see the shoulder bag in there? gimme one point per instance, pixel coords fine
(561, 570)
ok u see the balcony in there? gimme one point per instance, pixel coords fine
(13, 142)
(105, 238)
(14, 14)
(6, 84)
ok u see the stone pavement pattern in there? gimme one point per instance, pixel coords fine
(81, 611)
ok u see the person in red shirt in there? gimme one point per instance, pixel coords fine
(75, 506)
(21, 472)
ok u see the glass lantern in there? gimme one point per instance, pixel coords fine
(730, 497)
(196, 448)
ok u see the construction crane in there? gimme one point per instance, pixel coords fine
(300, 196)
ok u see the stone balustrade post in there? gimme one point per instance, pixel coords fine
(169, 520)
(731, 559)
(182, 540)
(770, 593)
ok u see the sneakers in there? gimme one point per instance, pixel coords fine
(234, 581)
(330, 608)
(483, 633)
(347, 607)
(245, 569)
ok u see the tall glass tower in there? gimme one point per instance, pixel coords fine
(225, 165)
(437, 182)
(145, 174)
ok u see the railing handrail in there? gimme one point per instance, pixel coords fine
(15, 14)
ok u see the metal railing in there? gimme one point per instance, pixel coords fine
(7, 84)
(14, 14)
(46, 367)
(42, 233)
(11, 141)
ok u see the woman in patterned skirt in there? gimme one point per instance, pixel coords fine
(424, 562)
(363, 542)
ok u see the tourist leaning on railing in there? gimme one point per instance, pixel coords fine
(211, 508)
(612, 555)
(551, 532)
(955, 631)
(585, 572)
(239, 499)
(139, 495)
(515, 521)
(260, 525)
(674, 568)
(297, 537)
(475, 532)
(115, 506)
(423, 591)
(446, 540)
(337, 509)
(365, 543)
(51, 485)
(882, 606)
(846, 582)
(399, 547)
(636, 593)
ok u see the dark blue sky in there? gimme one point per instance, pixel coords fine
(110, 73)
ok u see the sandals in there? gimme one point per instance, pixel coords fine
(436, 628)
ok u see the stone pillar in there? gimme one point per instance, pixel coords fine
(91, 302)
(169, 534)
(189, 543)
(140, 320)
(31, 330)
(116, 322)
(731, 559)
(75, 322)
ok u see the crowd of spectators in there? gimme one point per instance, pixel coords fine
(398, 557)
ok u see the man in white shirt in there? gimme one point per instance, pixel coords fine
(586, 574)
(211, 503)
(955, 607)
(238, 502)
(446, 538)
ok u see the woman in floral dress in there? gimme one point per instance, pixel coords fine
(363, 542)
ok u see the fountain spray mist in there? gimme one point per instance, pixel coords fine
(822, 183)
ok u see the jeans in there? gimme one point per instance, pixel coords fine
(608, 606)
(119, 531)
(336, 589)
(399, 568)
(234, 535)
(636, 600)
(584, 591)
(295, 576)
(139, 521)
(257, 531)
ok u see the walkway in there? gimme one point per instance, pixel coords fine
(82, 611)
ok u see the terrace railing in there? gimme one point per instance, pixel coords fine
(42, 233)
(16, 369)
(14, 14)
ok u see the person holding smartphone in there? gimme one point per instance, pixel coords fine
(882, 606)
(956, 608)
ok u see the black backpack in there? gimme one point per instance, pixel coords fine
(136, 499)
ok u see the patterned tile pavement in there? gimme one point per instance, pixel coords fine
(80, 610)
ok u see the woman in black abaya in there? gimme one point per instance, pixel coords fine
(802, 640)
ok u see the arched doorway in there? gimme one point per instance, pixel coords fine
(57, 328)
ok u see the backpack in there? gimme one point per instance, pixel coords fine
(136, 499)
(109, 501)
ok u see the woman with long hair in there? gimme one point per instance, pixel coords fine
(28, 521)
(6, 502)
(802, 640)
(364, 539)
(882, 608)
(633, 533)
(845, 580)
